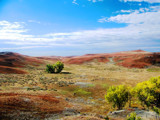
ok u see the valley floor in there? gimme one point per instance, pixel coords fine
(78, 90)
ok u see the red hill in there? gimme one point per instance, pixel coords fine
(130, 59)
(10, 60)
(9, 70)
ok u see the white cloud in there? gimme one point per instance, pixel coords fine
(75, 2)
(149, 47)
(24, 47)
(34, 21)
(143, 26)
(143, 30)
(103, 20)
(150, 1)
(137, 18)
(96, 0)
(140, 10)
(126, 11)
(142, 16)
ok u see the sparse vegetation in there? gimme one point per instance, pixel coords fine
(90, 98)
(153, 69)
(81, 92)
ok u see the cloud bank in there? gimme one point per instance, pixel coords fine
(149, 1)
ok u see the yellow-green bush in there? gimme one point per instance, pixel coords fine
(55, 68)
(118, 96)
(58, 66)
(148, 92)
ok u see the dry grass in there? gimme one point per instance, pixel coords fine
(81, 118)
(29, 102)
(38, 83)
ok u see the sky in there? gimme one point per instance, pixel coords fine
(77, 27)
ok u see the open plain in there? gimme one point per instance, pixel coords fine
(78, 90)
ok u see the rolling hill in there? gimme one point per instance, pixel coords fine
(12, 62)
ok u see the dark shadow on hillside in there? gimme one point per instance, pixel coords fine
(65, 73)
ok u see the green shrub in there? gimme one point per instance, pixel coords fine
(81, 92)
(55, 68)
(118, 96)
(157, 110)
(132, 116)
(58, 66)
(148, 92)
(154, 69)
(50, 68)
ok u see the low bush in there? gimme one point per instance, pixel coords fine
(118, 96)
(55, 68)
(58, 66)
(50, 68)
(148, 92)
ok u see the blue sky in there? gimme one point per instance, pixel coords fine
(77, 27)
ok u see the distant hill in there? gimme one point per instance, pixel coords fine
(9, 61)
(130, 59)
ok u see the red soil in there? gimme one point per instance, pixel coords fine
(17, 60)
(138, 60)
(11, 70)
(85, 58)
(52, 58)
(27, 102)
(130, 59)
(9, 60)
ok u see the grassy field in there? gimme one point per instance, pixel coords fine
(81, 87)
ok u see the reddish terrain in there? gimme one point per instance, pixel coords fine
(52, 58)
(9, 70)
(16, 103)
(9, 62)
(130, 59)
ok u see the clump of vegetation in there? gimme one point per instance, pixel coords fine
(153, 69)
(55, 68)
(148, 92)
(157, 110)
(118, 96)
(50, 68)
(58, 66)
(133, 116)
(81, 92)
